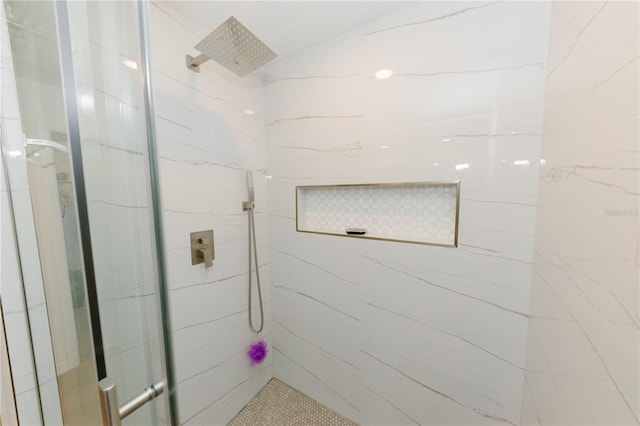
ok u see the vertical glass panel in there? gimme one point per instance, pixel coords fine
(8, 406)
(34, 49)
(106, 52)
(108, 90)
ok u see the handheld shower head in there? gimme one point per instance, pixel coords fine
(250, 184)
(249, 204)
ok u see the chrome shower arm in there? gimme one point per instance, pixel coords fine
(193, 63)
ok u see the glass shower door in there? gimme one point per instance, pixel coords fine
(86, 115)
(113, 121)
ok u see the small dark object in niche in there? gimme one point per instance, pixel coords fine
(356, 231)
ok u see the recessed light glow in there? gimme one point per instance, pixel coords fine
(131, 64)
(249, 112)
(436, 164)
(86, 101)
(462, 166)
(268, 177)
(384, 147)
(446, 140)
(385, 73)
(543, 161)
(524, 163)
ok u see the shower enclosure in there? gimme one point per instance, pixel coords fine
(525, 312)
(80, 178)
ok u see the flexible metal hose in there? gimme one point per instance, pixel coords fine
(252, 236)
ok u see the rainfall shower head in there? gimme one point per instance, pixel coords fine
(233, 46)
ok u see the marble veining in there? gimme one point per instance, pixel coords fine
(576, 38)
(443, 331)
(314, 265)
(439, 393)
(316, 345)
(208, 144)
(582, 350)
(318, 378)
(397, 268)
(438, 18)
(311, 117)
(532, 319)
(438, 335)
(564, 173)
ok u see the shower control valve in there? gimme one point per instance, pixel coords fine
(202, 248)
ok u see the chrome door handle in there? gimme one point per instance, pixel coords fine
(112, 413)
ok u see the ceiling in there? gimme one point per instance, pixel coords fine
(285, 26)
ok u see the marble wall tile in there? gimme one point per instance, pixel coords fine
(428, 335)
(582, 364)
(206, 145)
(391, 333)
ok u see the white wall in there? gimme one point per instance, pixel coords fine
(206, 145)
(583, 347)
(392, 333)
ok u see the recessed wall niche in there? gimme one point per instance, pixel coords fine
(411, 212)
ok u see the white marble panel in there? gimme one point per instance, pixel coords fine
(410, 400)
(583, 356)
(224, 373)
(207, 144)
(441, 332)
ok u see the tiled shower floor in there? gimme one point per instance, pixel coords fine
(280, 405)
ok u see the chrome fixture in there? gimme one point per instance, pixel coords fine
(112, 414)
(202, 248)
(44, 142)
(248, 206)
(233, 46)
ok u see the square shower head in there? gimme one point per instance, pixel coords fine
(236, 48)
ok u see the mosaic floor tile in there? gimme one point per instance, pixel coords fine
(280, 405)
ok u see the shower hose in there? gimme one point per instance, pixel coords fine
(252, 237)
